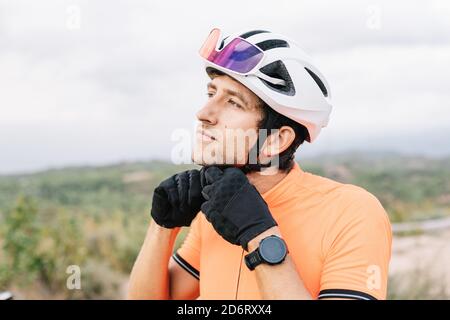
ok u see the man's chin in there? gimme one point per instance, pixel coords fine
(204, 161)
(206, 157)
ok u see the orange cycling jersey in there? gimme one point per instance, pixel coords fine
(338, 236)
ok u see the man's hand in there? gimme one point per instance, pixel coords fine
(233, 206)
(177, 200)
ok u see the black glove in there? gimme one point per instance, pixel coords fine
(177, 200)
(233, 206)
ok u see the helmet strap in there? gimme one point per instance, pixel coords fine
(269, 123)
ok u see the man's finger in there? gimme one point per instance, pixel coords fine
(206, 192)
(212, 174)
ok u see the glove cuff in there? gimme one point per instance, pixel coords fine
(254, 232)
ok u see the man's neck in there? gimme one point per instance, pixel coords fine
(265, 182)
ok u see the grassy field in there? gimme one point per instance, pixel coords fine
(96, 217)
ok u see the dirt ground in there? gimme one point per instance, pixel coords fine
(422, 260)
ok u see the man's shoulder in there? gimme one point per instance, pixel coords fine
(355, 195)
(344, 197)
(327, 186)
(360, 207)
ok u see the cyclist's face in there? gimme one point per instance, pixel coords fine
(228, 123)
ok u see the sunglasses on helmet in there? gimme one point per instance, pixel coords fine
(238, 56)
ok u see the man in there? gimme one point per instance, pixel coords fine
(258, 230)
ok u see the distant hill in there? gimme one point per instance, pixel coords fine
(410, 187)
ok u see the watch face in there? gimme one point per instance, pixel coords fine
(272, 250)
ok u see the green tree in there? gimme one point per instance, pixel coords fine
(20, 241)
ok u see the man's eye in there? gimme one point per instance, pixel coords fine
(209, 94)
(234, 103)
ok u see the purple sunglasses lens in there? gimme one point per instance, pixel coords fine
(239, 56)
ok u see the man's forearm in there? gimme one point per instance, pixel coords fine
(279, 281)
(149, 278)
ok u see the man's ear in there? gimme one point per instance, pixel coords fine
(277, 141)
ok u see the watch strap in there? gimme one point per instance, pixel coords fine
(253, 259)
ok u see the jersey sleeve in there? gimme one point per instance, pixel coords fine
(188, 255)
(358, 252)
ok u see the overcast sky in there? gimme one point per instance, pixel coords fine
(94, 82)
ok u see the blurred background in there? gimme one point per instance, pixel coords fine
(92, 91)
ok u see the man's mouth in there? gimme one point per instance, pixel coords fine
(206, 136)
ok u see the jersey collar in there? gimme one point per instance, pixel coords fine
(285, 189)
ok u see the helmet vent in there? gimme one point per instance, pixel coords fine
(222, 43)
(251, 33)
(318, 81)
(277, 69)
(271, 44)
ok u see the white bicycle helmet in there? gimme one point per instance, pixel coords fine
(305, 95)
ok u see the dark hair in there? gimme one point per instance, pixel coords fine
(274, 120)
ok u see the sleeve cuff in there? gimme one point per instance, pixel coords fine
(186, 266)
(344, 293)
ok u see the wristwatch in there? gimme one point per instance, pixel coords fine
(272, 250)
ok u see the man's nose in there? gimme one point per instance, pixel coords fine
(208, 113)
